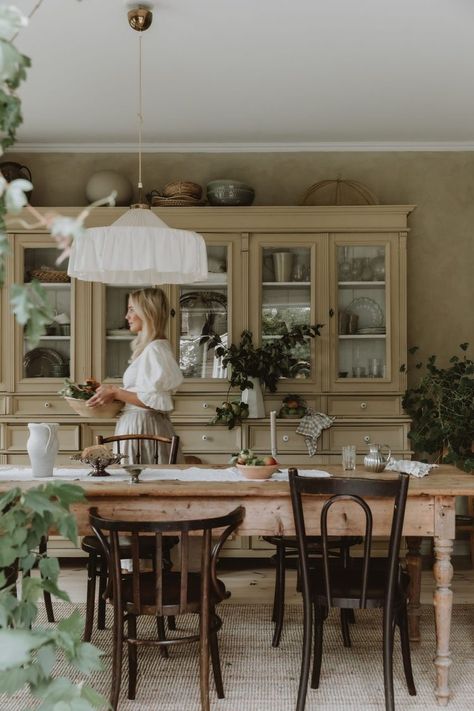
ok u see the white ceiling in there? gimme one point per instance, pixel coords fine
(263, 74)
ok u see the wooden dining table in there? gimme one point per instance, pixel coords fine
(430, 513)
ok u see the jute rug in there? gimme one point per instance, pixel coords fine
(260, 678)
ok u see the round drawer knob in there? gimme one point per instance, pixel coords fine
(204, 438)
(205, 405)
(47, 404)
(363, 406)
(285, 438)
(367, 439)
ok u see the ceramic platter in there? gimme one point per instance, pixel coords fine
(42, 362)
(369, 312)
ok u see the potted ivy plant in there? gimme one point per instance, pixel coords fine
(251, 366)
(28, 652)
(441, 407)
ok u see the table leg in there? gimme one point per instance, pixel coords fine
(443, 606)
(413, 562)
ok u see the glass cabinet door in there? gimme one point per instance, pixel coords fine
(363, 313)
(203, 311)
(111, 330)
(284, 290)
(53, 357)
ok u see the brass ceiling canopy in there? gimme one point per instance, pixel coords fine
(140, 17)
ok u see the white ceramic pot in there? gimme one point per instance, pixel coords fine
(254, 399)
(42, 447)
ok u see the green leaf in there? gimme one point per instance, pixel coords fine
(87, 658)
(16, 646)
(46, 658)
(49, 568)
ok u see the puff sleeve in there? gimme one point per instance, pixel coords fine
(158, 375)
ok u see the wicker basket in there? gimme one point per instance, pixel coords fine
(338, 192)
(102, 411)
(50, 276)
(182, 188)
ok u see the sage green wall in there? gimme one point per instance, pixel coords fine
(440, 244)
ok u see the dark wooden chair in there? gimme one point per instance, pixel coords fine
(162, 592)
(287, 554)
(97, 564)
(465, 524)
(158, 441)
(366, 583)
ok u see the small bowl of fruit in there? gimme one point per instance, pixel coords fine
(255, 466)
(293, 406)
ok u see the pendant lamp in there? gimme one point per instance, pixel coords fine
(139, 248)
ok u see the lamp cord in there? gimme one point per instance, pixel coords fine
(140, 118)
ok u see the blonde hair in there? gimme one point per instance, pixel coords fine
(152, 307)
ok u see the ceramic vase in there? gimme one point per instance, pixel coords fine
(254, 399)
(42, 447)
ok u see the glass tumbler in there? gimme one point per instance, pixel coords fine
(349, 457)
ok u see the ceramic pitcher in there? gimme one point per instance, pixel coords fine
(254, 399)
(42, 447)
(374, 461)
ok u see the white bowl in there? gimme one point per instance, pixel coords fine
(108, 411)
(257, 472)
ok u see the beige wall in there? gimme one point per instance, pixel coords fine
(440, 244)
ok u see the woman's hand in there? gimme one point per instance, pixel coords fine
(103, 395)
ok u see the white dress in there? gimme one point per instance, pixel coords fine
(153, 376)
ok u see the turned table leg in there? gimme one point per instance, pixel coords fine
(413, 562)
(443, 606)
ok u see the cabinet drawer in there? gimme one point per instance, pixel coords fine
(350, 405)
(43, 405)
(393, 435)
(209, 439)
(198, 406)
(24, 460)
(286, 438)
(16, 437)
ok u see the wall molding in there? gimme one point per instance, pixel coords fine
(275, 147)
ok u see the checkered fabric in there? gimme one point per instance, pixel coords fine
(311, 426)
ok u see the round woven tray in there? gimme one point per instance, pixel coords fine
(49, 275)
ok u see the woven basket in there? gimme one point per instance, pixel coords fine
(338, 192)
(50, 276)
(181, 188)
(103, 411)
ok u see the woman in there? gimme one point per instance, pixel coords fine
(149, 380)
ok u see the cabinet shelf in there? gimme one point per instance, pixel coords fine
(287, 284)
(55, 338)
(361, 284)
(119, 338)
(55, 286)
(361, 336)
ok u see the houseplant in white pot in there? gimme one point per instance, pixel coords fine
(250, 366)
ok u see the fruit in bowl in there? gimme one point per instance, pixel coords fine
(253, 466)
(77, 394)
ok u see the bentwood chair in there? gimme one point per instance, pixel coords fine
(97, 564)
(366, 583)
(162, 592)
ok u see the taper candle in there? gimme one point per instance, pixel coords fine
(273, 440)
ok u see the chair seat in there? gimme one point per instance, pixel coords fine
(171, 591)
(346, 582)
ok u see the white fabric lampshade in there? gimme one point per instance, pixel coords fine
(138, 248)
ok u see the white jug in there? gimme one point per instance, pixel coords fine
(42, 447)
